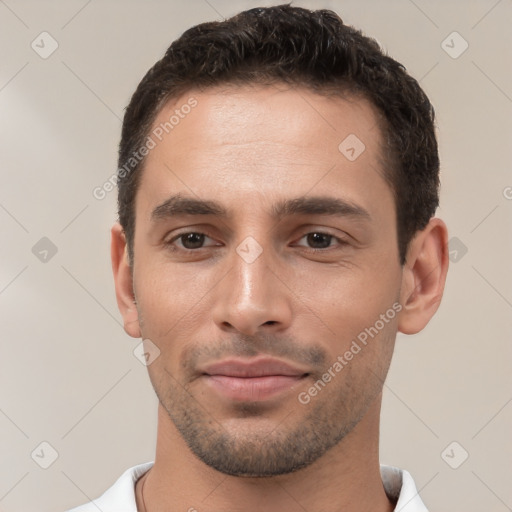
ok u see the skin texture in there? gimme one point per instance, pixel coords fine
(249, 149)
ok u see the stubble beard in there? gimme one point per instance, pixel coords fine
(304, 434)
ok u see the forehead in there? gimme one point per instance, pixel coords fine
(254, 143)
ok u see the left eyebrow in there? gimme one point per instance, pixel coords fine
(319, 205)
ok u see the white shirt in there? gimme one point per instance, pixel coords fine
(398, 483)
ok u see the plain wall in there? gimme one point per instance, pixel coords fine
(68, 376)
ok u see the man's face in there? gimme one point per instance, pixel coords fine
(252, 290)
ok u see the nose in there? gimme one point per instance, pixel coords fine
(253, 297)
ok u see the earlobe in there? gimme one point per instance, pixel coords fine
(424, 277)
(124, 282)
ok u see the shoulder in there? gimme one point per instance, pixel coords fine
(120, 497)
(401, 488)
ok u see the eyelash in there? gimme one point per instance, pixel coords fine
(340, 241)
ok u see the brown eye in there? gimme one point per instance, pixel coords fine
(192, 240)
(319, 240)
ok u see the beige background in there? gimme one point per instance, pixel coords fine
(68, 375)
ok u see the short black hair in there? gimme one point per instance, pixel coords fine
(306, 48)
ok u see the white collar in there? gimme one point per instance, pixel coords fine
(398, 485)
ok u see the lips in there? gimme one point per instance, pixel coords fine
(252, 380)
(253, 368)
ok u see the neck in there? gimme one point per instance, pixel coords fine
(346, 478)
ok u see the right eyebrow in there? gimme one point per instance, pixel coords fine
(179, 205)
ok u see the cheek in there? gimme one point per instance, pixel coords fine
(170, 297)
(348, 300)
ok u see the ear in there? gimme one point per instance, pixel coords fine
(423, 277)
(123, 281)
